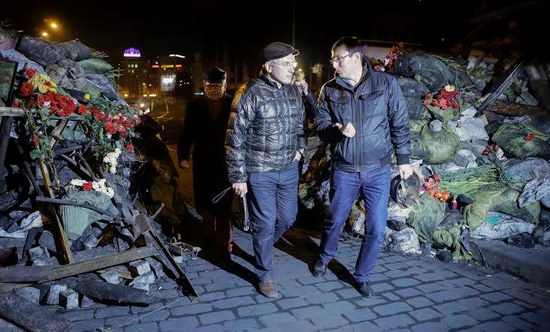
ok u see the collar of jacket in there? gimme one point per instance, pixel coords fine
(367, 73)
(269, 81)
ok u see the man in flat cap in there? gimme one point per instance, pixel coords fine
(265, 141)
(205, 126)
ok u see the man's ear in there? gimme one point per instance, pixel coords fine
(268, 68)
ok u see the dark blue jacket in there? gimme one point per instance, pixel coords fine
(378, 112)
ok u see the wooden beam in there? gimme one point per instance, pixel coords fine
(69, 270)
(104, 291)
(30, 316)
(19, 273)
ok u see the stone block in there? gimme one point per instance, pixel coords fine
(53, 293)
(138, 268)
(68, 299)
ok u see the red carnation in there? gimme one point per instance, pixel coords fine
(529, 137)
(130, 147)
(27, 89)
(82, 110)
(30, 72)
(87, 186)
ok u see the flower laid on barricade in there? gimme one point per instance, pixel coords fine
(445, 105)
(99, 186)
(106, 124)
(391, 57)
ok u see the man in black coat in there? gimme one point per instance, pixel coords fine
(204, 127)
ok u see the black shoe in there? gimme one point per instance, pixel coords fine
(319, 269)
(365, 289)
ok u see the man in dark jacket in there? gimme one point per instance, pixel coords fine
(265, 141)
(205, 126)
(363, 115)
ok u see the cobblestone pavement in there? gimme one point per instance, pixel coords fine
(413, 294)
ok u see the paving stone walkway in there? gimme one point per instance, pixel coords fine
(413, 294)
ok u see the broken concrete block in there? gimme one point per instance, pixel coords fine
(111, 276)
(86, 302)
(156, 266)
(30, 293)
(138, 268)
(91, 242)
(140, 282)
(47, 241)
(68, 299)
(38, 252)
(53, 294)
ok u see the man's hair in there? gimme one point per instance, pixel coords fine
(352, 44)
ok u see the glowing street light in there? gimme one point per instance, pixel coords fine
(45, 34)
(54, 25)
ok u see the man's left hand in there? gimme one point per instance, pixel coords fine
(405, 171)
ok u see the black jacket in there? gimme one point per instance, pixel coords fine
(377, 110)
(265, 129)
(207, 134)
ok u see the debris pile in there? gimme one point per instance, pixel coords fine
(480, 150)
(76, 226)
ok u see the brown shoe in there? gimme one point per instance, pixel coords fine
(268, 289)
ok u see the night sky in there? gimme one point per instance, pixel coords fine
(244, 26)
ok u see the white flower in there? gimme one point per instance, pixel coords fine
(449, 88)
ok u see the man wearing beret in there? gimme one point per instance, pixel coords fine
(205, 126)
(265, 141)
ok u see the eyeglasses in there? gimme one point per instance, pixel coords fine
(286, 64)
(338, 59)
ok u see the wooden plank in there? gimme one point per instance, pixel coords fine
(69, 270)
(19, 273)
(30, 316)
(505, 81)
(104, 291)
(12, 111)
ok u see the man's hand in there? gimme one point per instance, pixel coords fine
(240, 188)
(302, 86)
(184, 164)
(348, 130)
(405, 171)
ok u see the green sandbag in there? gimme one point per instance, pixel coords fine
(507, 203)
(427, 218)
(484, 199)
(439, 146)
(511, 138)
(448, 238)
(92, 90)
(76, 219)
(95, 66)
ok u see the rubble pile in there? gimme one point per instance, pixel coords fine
(480, 151)
(75, 224)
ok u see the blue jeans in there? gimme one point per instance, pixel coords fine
(273, 205)
(345, 186)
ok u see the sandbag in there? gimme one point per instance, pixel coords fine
(76, 51)
(416, 109)
(412, 88)
(21, 60)
(95, 66)
(439, 146)
(40, 51)
(76, 219)
(507, 204)
(521, 140)
(67, 74)
(500, 226)
(424, 68)
(517, 172)
(484, 199)
(427, 218)
(7, 40)
(106, 87)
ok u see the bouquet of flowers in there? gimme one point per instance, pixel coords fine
(445, 105)
(104, 124)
